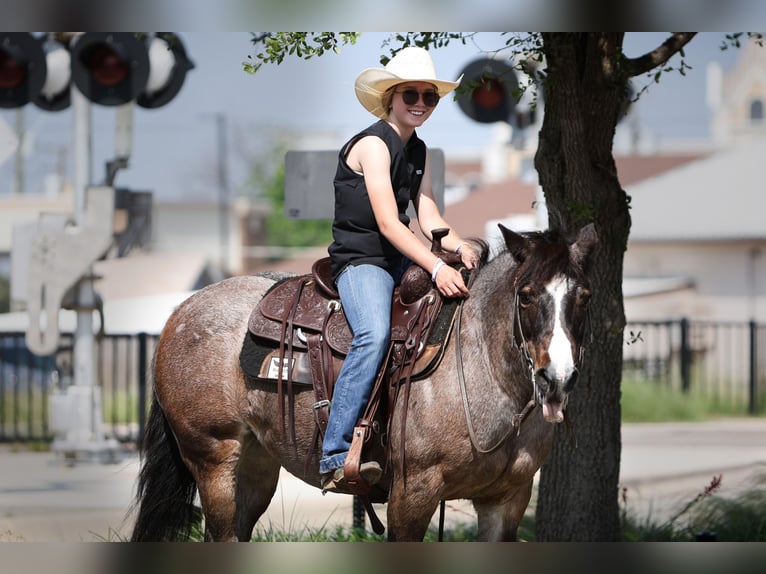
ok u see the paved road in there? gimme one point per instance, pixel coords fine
(662, 467)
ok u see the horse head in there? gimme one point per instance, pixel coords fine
(551, 293)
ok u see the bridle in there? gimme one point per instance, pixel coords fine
(537, 398)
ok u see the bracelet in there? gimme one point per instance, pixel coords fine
(457, 249)
(437, 266)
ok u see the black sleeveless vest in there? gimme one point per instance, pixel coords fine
(356, 236)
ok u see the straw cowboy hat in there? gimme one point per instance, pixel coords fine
(410, 64)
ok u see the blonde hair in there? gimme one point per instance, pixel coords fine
(387, 98)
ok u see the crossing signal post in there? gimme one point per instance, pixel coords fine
(61, 70)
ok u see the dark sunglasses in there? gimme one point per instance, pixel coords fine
(411, 97)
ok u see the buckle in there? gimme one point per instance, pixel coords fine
(321, 404)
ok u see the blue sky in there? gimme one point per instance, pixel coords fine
(175, 146)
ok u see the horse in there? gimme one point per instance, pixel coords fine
(478, 427)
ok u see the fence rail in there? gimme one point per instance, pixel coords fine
(27, 381)
(723, 361)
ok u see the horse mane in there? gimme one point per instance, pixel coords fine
(544, 254)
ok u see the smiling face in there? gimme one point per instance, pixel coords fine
(406, 115)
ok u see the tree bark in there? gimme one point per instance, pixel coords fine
(578, 495)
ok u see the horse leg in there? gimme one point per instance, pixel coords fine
(215, 474)
(410, 509)
(257, 478)
(499, 521)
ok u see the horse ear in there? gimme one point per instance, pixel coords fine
(587, 238)
(515, 243)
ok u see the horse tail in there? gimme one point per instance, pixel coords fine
(166, 489)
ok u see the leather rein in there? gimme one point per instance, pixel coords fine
(518, 418)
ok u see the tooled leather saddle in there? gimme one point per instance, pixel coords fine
(298, 335)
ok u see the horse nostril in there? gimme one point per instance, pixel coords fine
(571, 381)
(543, 382)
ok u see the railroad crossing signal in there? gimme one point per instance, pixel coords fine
(109, 68)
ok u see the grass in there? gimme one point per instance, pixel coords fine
(646, 401)
(708, 515)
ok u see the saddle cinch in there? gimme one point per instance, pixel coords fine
(298, 334)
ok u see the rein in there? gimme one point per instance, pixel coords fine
(516, 420)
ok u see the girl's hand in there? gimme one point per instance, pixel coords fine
(467, 255)
(450, 283)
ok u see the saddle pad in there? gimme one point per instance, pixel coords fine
(259, 358)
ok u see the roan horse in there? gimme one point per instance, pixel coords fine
(478, 428)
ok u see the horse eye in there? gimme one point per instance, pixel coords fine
(583, 296)
(526, 298)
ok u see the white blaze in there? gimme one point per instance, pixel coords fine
(560, 350)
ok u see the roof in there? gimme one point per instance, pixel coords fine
(719, 197)
(142, 274)
(642, 286)
(634, 168)
(487, 202)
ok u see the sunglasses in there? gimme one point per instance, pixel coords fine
(411, 97)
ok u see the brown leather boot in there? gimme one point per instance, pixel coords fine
(334, 481)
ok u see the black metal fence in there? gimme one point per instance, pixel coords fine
(722, 361)
(28, 381)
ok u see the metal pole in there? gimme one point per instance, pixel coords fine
(83, 153)
(685, 356)
(753, 394)
(19, 171)
(223, 189)
(358, 513)
(143, 399)
(84, 439)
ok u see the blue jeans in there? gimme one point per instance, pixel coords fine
(365, 293)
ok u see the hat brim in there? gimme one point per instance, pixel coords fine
(372, 83)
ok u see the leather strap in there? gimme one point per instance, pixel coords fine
(287, 330)
(356, 483)
(318, 380)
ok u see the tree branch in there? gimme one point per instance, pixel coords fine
(660, 55)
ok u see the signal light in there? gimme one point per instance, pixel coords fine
(492, 85)
(22, 68)
(168, 67)
(110, 69)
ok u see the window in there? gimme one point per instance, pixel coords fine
(756, 110)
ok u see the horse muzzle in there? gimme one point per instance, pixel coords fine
(554, 393)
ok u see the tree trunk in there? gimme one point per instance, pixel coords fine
(578, 495)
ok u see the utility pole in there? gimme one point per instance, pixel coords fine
(19, 171)
(223, 189)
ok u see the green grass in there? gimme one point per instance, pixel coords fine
(646, 401)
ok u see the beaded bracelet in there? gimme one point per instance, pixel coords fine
(437, 266)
